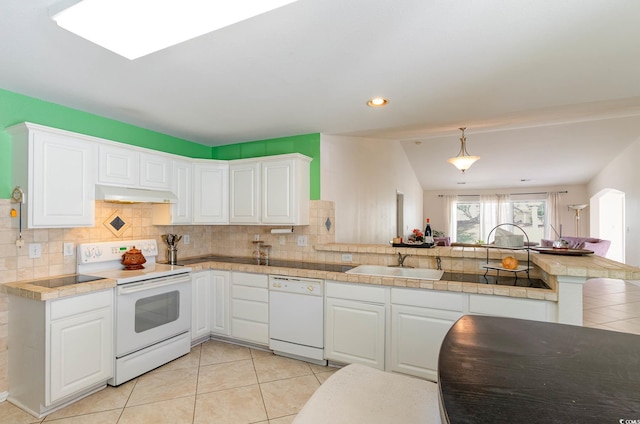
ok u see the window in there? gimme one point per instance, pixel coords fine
(474, 219)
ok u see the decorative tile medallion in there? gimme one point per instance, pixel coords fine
(327, 224)
(116, 224)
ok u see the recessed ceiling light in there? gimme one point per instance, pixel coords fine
(135, 28)
(461, 183)
(378, 102)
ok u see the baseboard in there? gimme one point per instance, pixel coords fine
(3, 396)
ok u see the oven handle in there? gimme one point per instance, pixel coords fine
(152, 284)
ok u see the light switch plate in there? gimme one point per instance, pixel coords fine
(67, 249)
(35, 250)
(187, 239)
(302, 241)
(347, 257)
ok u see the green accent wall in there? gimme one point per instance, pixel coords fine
(307, 144)
(16, 108)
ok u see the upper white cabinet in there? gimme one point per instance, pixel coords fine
(133, 167)
(244, 191)
(180, 212)
(210, 192)
(270, 190)
(57, 172)
(118, 165)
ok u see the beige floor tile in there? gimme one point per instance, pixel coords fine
(242, 405)
(255, 353)
(287, 397)
(190, 360)
(227, 375)
(156, 387)
(11, 414)
(631, 326)
(283, 420)
(215, 352)
(275, 367)
(104, 400)
(104, 417)
(322, 376)
(174, 411)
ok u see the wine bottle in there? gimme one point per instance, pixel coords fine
(428, 234)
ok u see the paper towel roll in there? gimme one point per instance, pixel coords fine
(282, 230)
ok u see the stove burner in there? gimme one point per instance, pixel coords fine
(65, 281)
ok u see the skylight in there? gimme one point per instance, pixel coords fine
(135, 28)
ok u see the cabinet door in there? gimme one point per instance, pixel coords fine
(200, 304)
(211, 193)
(244, 193)
(416, 337)
(61, 182)
(181, 185)
(155, 171)
(355, 332)
(277, 192)
(118, 165)
(220, 302)
(81, 352)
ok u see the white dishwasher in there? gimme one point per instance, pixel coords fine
(296, 318)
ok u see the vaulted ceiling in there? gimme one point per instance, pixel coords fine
(549, 90)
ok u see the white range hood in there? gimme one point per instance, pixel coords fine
(133, 195)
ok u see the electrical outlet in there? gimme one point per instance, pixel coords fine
(256, 237)
(20, 243)
(187, 239)
(67, 249)
(282, 241)
(35, 250)
(302, 241)
(347, 257)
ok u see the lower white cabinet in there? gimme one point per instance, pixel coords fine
(250, 307)
(60, 349)
(201, 298)
(220, 297)
(355, 324)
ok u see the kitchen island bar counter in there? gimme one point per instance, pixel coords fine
(502, 371)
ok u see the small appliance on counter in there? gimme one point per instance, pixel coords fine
(172, 249)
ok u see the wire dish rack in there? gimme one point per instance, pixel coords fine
(498, 267)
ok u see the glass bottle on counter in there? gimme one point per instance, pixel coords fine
(428, 233)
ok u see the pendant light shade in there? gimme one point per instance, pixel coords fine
(464, 160)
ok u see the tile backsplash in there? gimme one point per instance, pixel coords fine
(236, 240)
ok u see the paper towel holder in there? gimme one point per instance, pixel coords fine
(282, 230)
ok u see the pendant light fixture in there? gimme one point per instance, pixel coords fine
(464, 160)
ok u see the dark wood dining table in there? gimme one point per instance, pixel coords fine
(502, 370)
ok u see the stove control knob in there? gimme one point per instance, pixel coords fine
(98, 251)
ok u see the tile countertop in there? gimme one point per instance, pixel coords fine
(37, 292)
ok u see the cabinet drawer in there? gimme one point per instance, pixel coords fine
(251, 331)
(359, 292)
(250, 293)
(79, 304)
(252, 311)
(252, 280)
(427, 299)
(537, 310)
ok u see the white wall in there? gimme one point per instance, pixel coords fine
(623, 173)
(362, 175)
(434, 206)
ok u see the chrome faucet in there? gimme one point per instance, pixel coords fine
(401, 260)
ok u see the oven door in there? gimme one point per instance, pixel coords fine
(150, 311)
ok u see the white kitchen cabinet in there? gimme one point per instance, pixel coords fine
(60, 350)
(355, 319)
(244, 191)
(536, 310)
(250, 307)
(180, 212)
(285, 190)
(220, 299)
(155, 171)
(420, 319)
(118, 165)
(57, 172)
(200, 305)
(210, 192)
(270, 190)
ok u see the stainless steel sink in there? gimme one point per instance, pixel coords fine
(387, 271)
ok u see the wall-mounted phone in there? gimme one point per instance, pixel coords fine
(17, 196)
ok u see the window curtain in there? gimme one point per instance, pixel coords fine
(495, 209)
(450, 208)
(553, 217)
